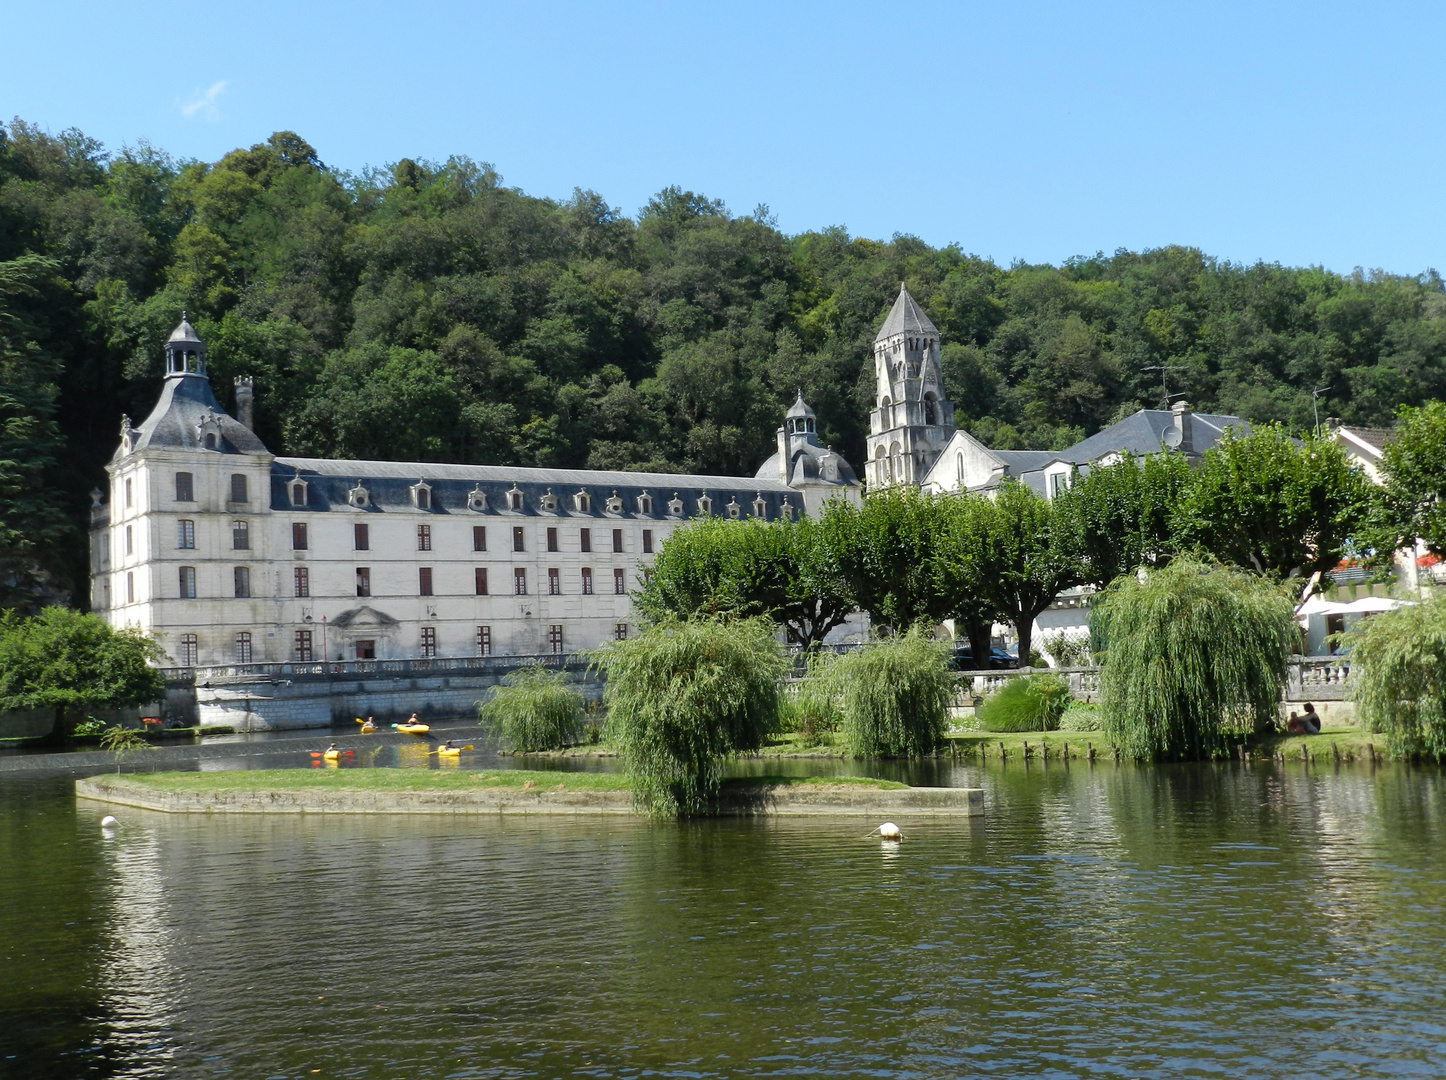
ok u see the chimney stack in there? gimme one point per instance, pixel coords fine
(246, 402)
(1184, 426)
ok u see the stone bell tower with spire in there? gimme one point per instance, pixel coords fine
(911, 419)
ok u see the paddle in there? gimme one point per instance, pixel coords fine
(343, 753)
(440, 749)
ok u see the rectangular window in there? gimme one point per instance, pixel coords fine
(366, 649)
(243, 640)
(185, 488)
(242, 580)
(361, 536)
(185, 533)
(130, 541)
(554, 639)
(587, 581)
(429, 641)
(424, 538)
(484, 641)
(517, 544)
(554, 581)
(301, 578)
(647, 541)
(479, 537)
(620, 585)
(303, 646)
(240, 536)
(1057, 485)
(424, 581)
(238, 487)
(298, 536)
(585, 537)
(188, 650)
(188, 583)
(363, 580)
(130, 587)
(479, 579)
(519, 581)
(620, 631)
(130, 494)
(551, 539)
(298, 493)
(617, 539)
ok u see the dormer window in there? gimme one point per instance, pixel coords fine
(734, 510)
(477, 499)
(296, 492)
(615, 503)
(548, 502)
(705, 505)
(359, 496)
(582, 502)
(422, 495)
(675, 506)
(514, 498)
(645, 504)
(785, 511)
(760, 508)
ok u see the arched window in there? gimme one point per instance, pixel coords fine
(959, 466)
(645, 504)
(705, 505)
(582, 502)
(514, 498)
(929, 409)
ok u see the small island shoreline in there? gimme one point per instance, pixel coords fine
(377, 791)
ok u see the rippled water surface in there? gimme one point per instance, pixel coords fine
(1109, 922)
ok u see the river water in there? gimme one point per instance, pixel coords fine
(1107, 921)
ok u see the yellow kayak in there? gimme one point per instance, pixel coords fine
(331, 755)
(445, 751)
(413, 729)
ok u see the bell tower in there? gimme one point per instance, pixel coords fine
(185, 351)
(911, 419)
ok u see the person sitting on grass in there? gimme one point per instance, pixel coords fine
(1307, 724)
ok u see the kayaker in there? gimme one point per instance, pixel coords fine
(369, 726)
(447, 746)
(333, 748)
(413, 719)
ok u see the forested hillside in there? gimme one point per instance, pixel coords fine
(428, 312)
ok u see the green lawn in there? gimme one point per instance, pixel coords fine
(1351, 743)
(440, 780)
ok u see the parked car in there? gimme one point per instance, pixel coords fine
(963, 660)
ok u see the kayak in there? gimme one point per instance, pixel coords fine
(453, 751)
(413, 729)
(331, 755)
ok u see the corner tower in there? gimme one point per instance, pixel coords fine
(911, 419)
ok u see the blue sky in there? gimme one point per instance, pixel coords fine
(1299, 133)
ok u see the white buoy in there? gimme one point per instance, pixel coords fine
(889, 831)
(108, 822)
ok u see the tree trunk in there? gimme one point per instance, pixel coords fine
(979, 642)
(1024, 627)
(61, 731)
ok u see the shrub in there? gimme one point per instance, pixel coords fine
(684, 695)
(535, 708)
(812, 706)
(1194, 650)
(894, 695)
(1025, 703)
(1079, 717)
(1400, 676)
(1068, 651)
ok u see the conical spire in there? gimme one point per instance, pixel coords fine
(906, 318)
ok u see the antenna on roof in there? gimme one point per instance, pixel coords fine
(1315, 406)
(1164, 369)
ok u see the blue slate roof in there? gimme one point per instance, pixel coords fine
(1143, 432)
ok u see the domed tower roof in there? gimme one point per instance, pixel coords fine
(185, 351)
(800, 409)
(184, 332)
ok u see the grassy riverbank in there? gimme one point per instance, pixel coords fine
(1345, 744)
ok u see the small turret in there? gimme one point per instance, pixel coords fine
(185, 351)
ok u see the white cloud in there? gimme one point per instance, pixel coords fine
(203, 103)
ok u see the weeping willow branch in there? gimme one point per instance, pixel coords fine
(1400, 677)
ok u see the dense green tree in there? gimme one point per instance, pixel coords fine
(1413, 466)
(1121, 515)
(888, 552)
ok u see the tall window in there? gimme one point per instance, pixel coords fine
(554, 639)
(479, 537)
(238, 488)
(585, 538)
(298, 493)
(479, 579)
(185, 488)
(130, 587)
(517, 544)
(519, 580)
(617, 539)
(424, 538)
(429, 641)
(484, 641)
(185, 533)
(587, 581)
(298, 536)
(188, 650)
(241, 576)
(130, 541)
(620, 631)
(363, 580)
(243, 641)
(303, 646)
(240, 536)
(424, 581)
(301, 578)
(620, 584)
(188, 583)
(647, 541)
(361, 536)
(554, 581)
(551, 539)
(130, 494)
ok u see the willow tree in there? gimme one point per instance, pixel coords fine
(1193, 652)
(1400, 677)
(894, 695)
(682, 697)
